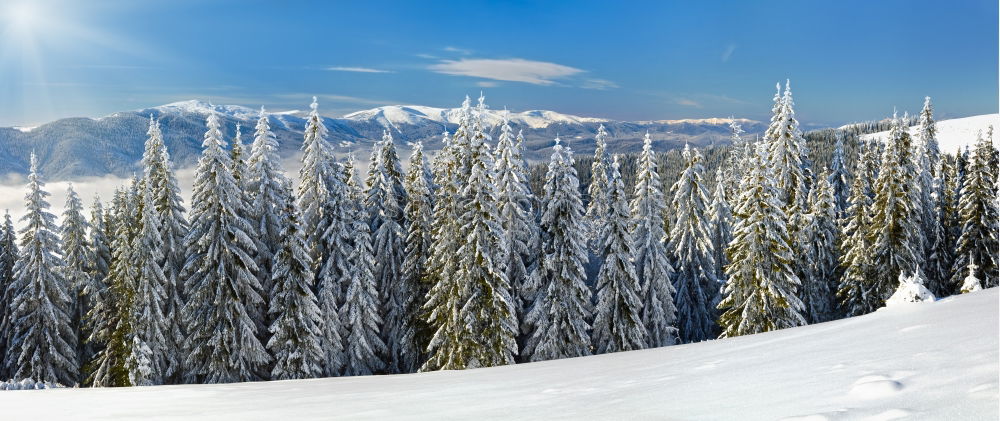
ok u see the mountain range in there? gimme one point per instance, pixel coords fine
(72, 148)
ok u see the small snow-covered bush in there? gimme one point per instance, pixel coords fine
(26, 384)
(971, 282)
(911, 289)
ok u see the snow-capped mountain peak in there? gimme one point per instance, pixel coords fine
(392, 115)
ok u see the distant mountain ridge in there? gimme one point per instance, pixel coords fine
(80, 147)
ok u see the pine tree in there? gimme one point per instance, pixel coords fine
(174, 227)
(8, 258)
(517, 215)
(222, 343)
(818, 291)
(419, 208)
(150, 354)
(618, 324)
(720, 222)
(563, 301)
(691, 246)
(659, 314)
(43, 341)
(76, 255)
(361, 313)
(597, 206)
(760, 295)
(978, 218)
(296, 318)
(896, 245)
(857, 281)
(386, 201)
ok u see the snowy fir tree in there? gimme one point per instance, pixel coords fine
(517, 214)
(894, 234)
(760, 295)
(926, 154)
(166, 198)
(43, 344)
(818, 291)
(8, 258)
(691, 247)
(618, 322)
(652, 264)
(562, 307)
(597, 192)
(941, 257)
(100, 244)
(720, 223)
(335, 273)
(419, 208)
(313, 192)
(296, 318)
(77, 256)
(361, 312)
(839, 176)
(386, 202)
(978, 215)
(150, 354)
(222, 343)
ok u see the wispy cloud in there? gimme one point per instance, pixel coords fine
(487, 84)
(427, 56)
(357, 69)
(730, 49)
(511, 70)
(598, 84)
(462, 51)
(687, 102)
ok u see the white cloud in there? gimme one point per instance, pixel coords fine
(513, 70)
(357, 69)
(462, 51)
(599, 84)
(728, 52)
(688, 102)
(487, 84)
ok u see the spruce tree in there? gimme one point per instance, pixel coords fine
(947, 230)
(296, 318)
(926, 154)
(8, 258)
(386, 201)
(43, 342)
(839, 176)
(894, 237)
(419, 208)
(818, 291)
(597, 192)
(857, 281)
(691, 246)
(77, 256)
(618, 324)
(361, 313)
(313, 192)
(335, 273)
(563, 302)
(720, 223)
(150, 354)
(222, 343)
(760, 295)
(978, 215)
(652, 265)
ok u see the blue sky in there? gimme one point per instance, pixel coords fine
(848, 60)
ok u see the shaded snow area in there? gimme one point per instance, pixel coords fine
(955, 133)
(916, 361)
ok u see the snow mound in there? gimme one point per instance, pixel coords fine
(954, 133)
(26, 384)
(910, 290)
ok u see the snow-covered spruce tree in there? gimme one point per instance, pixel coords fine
(43, 343)
(335, 273)
(100, 243)
(110, 318)
(296, 319)
(978, 217)
(361, 312)
(559, 316)
(691, 246)
(446, 294)
(618, 322)
(488, 310)
(894, 237)
(222, 343)
(839, 176)
(926, 154)
(386, 201)
(150, 354)
(927, 135)
(760, 295)
(720, 222)
(8, 257)
(597, 192)
(166, 198)
(313, 192)
(819, 291)
(652, 264)
(517, 215)
(740, 150)
(947, 230)
(77, 256)
(857, 281)
(419, 208)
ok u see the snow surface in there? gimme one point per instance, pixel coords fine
(955, 133)
(928, 361)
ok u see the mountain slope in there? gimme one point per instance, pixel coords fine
(955, 133)
(79, 147)
(930, 361)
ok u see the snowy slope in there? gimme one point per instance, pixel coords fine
(957, 132)
(392, 115)
(924, 361)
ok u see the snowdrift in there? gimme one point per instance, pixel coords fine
(932, 360)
